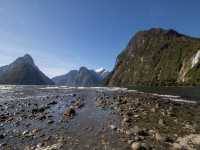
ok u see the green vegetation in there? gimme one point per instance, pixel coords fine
(157, 57)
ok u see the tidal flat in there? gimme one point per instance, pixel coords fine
(47, 118)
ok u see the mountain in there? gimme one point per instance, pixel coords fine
(81, 77)
(158, 57)
(103, 73)
(23, 71)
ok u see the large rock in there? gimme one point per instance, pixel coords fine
(69, 112)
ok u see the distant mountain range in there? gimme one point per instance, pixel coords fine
(158, 57)
(82, 77)
(152, 57)
(23, 71)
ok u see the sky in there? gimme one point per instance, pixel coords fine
(62, 35)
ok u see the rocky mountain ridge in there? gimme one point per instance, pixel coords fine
(158, 57)
(81, 77)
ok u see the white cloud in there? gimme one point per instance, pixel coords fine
(99, 70)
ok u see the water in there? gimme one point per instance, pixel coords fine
(190, 93)
(85, 130)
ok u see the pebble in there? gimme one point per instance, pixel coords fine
(158, 137)
(113, 127)
(25, 132)
(126, 119)
(39, 145)
(161, 122)
(69, 112)
(139, 146)
(153, 110)
(2, 136)
(50, 121)
(136, 116)
(136, 145)
(35, 131)
(2, 144)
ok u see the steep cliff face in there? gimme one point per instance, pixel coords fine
(158, 57)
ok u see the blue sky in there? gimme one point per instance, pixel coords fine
(65, 34)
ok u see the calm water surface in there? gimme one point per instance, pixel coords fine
(190, 93)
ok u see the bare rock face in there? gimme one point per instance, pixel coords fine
(158, 57)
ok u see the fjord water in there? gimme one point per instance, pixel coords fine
(189, 93)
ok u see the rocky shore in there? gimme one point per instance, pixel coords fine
(95, 119)
(153, 122)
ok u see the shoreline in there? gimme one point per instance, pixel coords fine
(85, 118)
(156, 122)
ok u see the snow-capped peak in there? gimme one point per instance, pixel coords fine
(102, 73)
(100, 70)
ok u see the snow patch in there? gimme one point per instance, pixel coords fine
(196, 58)
(100, 70)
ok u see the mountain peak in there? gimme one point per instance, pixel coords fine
(83, 69)
(27, 56)
(140, 38)
(82, 77)
(163, 31)
(100, 70)
(27, 59)
(157, 57)
(23, 71)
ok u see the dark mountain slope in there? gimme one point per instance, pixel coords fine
(23, 71)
